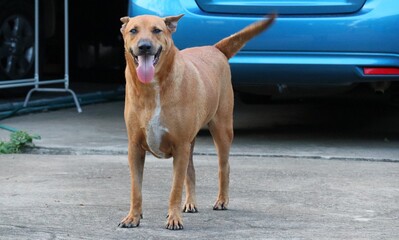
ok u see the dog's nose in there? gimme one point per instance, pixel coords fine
(144, 46)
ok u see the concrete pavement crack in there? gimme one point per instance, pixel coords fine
(89, 151)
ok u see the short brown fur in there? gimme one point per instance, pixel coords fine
(191, 88)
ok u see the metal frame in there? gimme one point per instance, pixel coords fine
(35, 81)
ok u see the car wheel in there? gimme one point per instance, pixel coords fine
(16, 40)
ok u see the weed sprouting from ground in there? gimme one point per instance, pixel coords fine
(18, 141)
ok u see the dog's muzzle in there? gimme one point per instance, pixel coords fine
(146, 60)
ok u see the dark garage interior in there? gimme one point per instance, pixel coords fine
(95, 46)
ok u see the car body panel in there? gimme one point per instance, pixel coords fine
(281, 6)
(297, 49)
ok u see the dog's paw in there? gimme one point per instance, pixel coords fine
(190, 208)
(174, 222)
(220, 205)
(130, 221)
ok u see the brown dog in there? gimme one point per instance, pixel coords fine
(170, 95)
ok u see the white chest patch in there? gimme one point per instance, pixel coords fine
(155, 131)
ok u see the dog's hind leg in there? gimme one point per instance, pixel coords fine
(222, 133)
(190, 204)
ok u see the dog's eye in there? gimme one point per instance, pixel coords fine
(156, 30)
(133, 31)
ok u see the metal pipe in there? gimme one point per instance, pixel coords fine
(36, 80)
(66, 49)
(7, 83)
(36, 76)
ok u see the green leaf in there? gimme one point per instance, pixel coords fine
(18, 140)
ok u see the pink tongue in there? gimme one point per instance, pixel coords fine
(145, 70)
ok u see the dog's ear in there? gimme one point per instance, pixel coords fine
(124, 21)
(171, 22)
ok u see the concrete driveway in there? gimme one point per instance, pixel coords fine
(298, 172)
(84, 197)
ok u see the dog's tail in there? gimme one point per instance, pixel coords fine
(231, 45)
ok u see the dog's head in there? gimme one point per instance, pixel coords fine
(146, 38)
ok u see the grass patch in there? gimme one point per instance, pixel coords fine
(18, 141)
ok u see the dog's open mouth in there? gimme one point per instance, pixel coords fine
(155, 60)
(146, 65)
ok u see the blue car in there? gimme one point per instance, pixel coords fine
(314, 44)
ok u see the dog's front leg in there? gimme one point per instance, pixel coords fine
(136, 157)
(180, 163)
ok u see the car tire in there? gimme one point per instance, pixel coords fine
(16, 40)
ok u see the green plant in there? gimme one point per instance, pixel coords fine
(18, 141)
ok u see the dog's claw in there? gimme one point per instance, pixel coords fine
(130, 222)
(174, 223)
(174, 227)
(190, 208)
(220, 206)
(128, 225)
